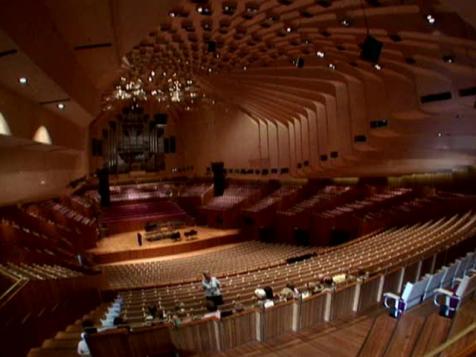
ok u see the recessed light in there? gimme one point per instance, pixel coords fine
(172, 14)
(199, 9)
(23, 80)
(448, 58)
(320, 54)
(60, 106)
(440, 134)
(289, 29)
(245, 68)
(346, 22)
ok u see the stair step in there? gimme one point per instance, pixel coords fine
(434, 333)
(379, 336)
(405, 336)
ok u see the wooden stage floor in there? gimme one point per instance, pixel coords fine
(123, 246)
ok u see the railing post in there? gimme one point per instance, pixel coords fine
(380, 287)
(433, 264)
(327, 309)
(418, 273)
(259, 325)
(296, 314)
(355, 304)
(216, 330)
(400, 280)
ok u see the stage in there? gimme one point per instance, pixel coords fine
(124, 246)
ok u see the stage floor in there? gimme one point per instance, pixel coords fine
(123, 246)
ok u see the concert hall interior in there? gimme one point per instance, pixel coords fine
(237, 178)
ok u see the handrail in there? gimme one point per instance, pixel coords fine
(15, 288)
(452, 340)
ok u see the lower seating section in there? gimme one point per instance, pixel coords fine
(418, 332)
(240, 258)
(38, 271)
(374, 254)
(37, 308)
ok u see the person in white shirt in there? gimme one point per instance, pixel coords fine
(211, 285)
(83, 349)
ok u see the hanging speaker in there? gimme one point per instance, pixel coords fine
(371, 48)
(212, 46)
(172, 144)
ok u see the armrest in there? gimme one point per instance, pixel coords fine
(438, 293)
(389, 296)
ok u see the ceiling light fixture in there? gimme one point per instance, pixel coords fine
(320, 54)
(60, 106)
(377, 67)
(431, 20)
(332, 66)
(23, 80)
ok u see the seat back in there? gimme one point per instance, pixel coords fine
(450, 274)
(434, 282)
(464, 264)
(416, 293)
(467, 286)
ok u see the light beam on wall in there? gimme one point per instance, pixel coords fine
(42, 136)
(4, 128)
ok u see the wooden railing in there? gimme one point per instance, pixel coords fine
(347, 301)
(470, 350)
(35, 309)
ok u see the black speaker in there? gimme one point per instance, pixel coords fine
(172, 144)
(96, 147)
(160, 118)
(218, 169)
(299, 62)
(371, 48)
(103, 187)
(212, 46)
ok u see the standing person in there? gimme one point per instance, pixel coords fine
(211, 285)
(139, 239)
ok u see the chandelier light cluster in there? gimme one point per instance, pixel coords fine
(164, 88)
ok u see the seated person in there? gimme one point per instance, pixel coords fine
(83, 349)
(263, 298)
(151, 312)
(328, 283)
(238, 307)
(312, 288)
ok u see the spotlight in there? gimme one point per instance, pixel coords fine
(299, 62)
(245, 68)
(346, 22)
(440, 134)
(448, 58)
(60, 106)
(431, 20)
(289, 29)
(377, 67)
(332, 66)
(320, 54)
(172, 14)
(23, 80)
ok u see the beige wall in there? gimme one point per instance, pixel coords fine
(29, 170)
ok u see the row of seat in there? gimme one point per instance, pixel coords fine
(437, 283)
(373, 253)
(38, 271)
(242, 257)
